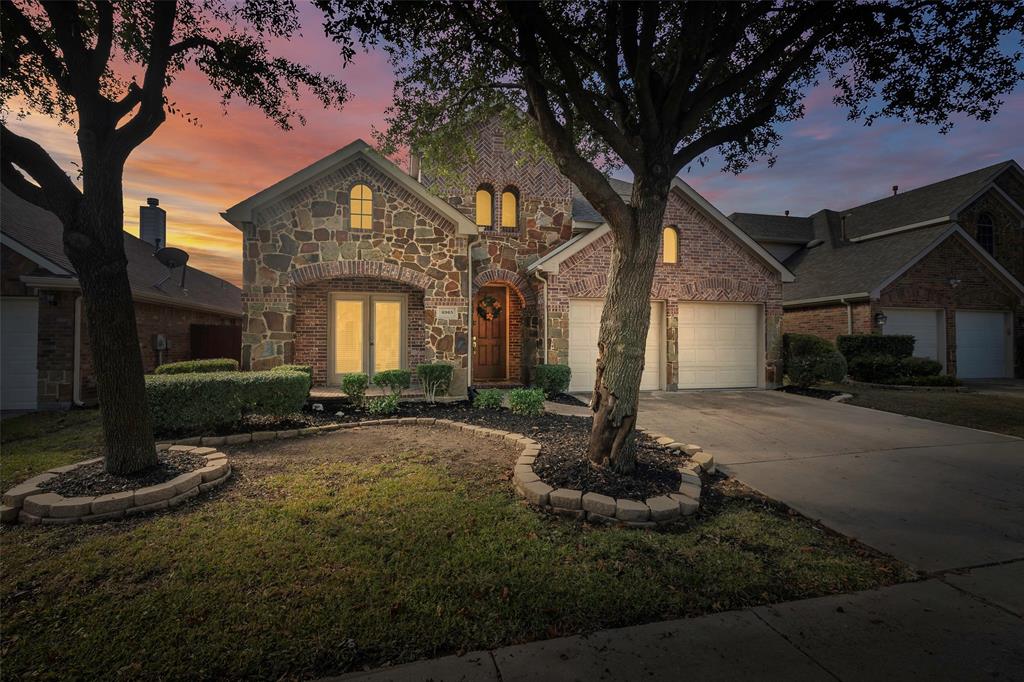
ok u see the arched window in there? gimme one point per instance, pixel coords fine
(484, 207)
(510, 208)
(669, 245)
(361, 207)
(986, 234)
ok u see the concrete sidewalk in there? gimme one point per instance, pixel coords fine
(962, 626)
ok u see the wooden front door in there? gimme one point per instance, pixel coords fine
(489, 335)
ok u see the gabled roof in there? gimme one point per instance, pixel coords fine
(583, 212)
(775, 228)
(242, 212)
(550, 261)
(39, 235)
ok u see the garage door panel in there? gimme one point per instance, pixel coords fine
(19, 325)
(982, 344)
(718, 345)
(923, 325)
(584, 330)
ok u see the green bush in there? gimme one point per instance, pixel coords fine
(526, 401)
(552, 379)
(931, 380)
(879, 369)
(810, 360)
(920, 367)
(436, 379)
(857, 345)
(198, 402)
(393, 380)
(383, 405)
(295, 368)
(354, 385)
(192, 366)
(488, 399)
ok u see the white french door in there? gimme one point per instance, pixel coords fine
(367, 333)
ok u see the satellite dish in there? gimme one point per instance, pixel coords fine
(171, 257)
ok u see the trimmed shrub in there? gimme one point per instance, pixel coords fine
(295, 368)
(192, 366)
(879, 369)
(920, 367)
(393, 380)
(810, 360)
(382, 405)
(197, 401)
(857, 345)
(354, 385)
(552, 379)
(526, 401)
(436, 379)
(931, 380)
(488, 399)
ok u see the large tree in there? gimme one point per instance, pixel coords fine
(657, 86)
(105, 70)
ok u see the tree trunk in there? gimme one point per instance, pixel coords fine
(623, 335)
(94, 241)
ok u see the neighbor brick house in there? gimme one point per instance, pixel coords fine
(46, 359)
(352, 264)
(943, 262)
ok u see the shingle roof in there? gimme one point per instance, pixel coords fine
(42, 232)
(777, 228)
(582, 211)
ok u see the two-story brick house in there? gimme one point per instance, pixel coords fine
(943, 262)
(352, 264)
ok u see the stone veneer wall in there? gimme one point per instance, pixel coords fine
(306, 238)
(712, 266)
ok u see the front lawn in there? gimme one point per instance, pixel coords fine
(374, 546)
(998, 413)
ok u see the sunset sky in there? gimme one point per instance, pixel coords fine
(197, 172)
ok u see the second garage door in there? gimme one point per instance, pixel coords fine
(584, 325)
(19, 323)
(982, 345)
(923, 325)
(719, 345)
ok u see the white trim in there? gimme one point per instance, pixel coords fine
(954, 229)
(19, 248)
(903, 228)
(551, 261)
(138, 296)
(838, 298)
(367, 298)
(242, 212)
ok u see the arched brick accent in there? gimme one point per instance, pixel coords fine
(485, 277)
(307, 274)
(722, 289)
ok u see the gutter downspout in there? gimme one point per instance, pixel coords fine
(469, 325)
(76, 379)
(544, 340)
(849, 315)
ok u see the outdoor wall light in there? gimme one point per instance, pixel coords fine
(881, 319)
(954, 282)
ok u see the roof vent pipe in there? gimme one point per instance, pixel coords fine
(842, 226)
(153, 224)
(895, 189)
(787, 213)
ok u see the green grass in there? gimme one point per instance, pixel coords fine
(32, 443)
(998, 413)
(306, 567)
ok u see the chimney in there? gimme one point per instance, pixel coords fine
(895, 189)
(842, 226)
(153, 224)
(414, 166)
(787, 213)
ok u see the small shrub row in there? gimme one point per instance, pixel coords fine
(526, 401)
(354, 385)
(393, 381)
(858, 345)
(192, 366)
(435, 378)
(488, 399)
(888, 369)
(809, 360)
(306, 369)
(197, 402)
(382, 405)
(552, 379)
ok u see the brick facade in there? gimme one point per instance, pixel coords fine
(829, 321)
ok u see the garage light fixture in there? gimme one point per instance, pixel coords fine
(954, 282)
(881, 319)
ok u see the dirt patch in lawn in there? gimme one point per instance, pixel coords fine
(91, 479)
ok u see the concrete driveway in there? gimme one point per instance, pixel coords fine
(934, 495)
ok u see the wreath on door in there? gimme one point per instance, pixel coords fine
(488, 308)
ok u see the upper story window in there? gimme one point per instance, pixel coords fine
(361, 207)
(484, 206)
(986, 233)
(669, 245)
(510, 208)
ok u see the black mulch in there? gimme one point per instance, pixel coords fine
(92, 480)
(822, 393)
(566, 399)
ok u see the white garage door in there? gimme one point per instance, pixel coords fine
(19, 333)
(923, 325)
(982, 345)
(584, 325)
(718, 345)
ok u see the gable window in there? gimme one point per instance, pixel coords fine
(509, 208)
(484, 207)
(986, 233)
(361, 207)
(670, 245)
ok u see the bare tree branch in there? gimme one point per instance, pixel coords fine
(56, 187)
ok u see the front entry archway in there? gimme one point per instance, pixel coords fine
(490, 334)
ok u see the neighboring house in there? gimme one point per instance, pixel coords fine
(943, 262)
(353, 265)
(45, 344)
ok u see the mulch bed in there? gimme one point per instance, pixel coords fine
(566, 399)
(822, 393)
(92, 480)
